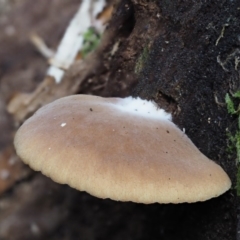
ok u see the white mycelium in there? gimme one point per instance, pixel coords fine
(143, 108)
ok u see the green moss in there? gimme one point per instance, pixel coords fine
(141, 60)
(230, 104)
(90, 42)
(237, 139)
(236, 94)
(234, 139)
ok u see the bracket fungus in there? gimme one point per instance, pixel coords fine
(122, 149)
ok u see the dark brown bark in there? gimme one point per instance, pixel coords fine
(191, 49)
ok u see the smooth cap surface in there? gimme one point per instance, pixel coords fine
(110, 150)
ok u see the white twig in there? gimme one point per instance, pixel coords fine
(72, 40)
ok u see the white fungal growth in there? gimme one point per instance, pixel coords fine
(63, 124)
(142, 108)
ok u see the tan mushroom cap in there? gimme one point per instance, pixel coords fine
(93, 145)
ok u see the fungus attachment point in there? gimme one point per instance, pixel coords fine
(145, 159)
